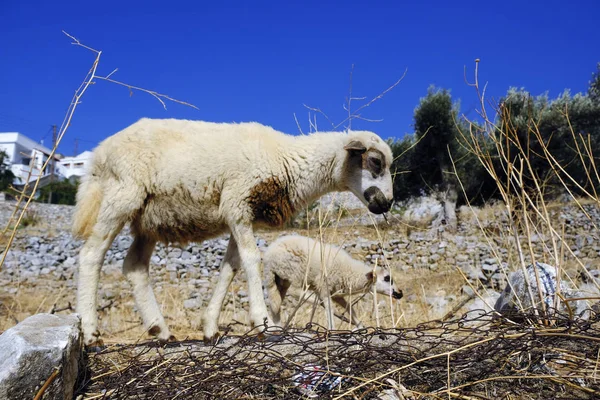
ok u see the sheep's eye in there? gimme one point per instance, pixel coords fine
(387, 278)
(375, 165)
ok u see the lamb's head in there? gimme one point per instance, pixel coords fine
(384, 284)
(367, 170)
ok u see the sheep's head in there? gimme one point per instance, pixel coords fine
(367, 170)
(384, 283)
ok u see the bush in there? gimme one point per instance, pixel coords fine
(62, 192)
(6, 175)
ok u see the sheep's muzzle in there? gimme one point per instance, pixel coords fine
(397, 294)
(377, 203)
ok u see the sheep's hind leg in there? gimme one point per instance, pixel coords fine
(227, 272)
(135, 268)
(120, 200)
(91, 258)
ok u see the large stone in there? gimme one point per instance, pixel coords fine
(516, 298)
(32, 350)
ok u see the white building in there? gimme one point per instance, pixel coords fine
(21, 150)
(74, 166)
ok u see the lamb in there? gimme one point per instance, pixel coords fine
(327, 270)
(180, 181)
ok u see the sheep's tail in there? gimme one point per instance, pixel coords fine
(89, 199)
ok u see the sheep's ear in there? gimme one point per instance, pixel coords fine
(355, 146)
(371, 277)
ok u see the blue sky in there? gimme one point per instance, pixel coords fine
(261, 61)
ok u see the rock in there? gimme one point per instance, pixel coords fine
(438, 302)
(70, 261)
(422, 210)
(36, 261)
(474, 274)
(123, 244)
(516, 300)
(192, 304)
(434, 258)
(175, 253)
(462, 258)
(32, 350)
(467, 290)
(171, 266)
(479, 306)
(489, 269)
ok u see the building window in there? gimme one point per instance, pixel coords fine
(67, 165)
(78, 165)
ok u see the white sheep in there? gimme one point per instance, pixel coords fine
(180, 181)
(325, 269)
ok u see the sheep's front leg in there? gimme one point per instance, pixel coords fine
(135, 268)
(251, 264)
(227, 272)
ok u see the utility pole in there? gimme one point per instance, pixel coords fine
(52, 164)
(75, 147)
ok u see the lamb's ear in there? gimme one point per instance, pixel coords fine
(371, 277)
(355, 146)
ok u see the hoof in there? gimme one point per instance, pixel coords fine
(94, 341)
(170, 339)
(154, 330)
(212, 340)
(95, 346)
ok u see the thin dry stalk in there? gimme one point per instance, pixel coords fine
(522, 191)
(87, 81)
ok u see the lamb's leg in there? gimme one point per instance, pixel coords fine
(277, 289)
(349, 309)
(135, 268)
(325, 298)
(227, 272)
(91, 258)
